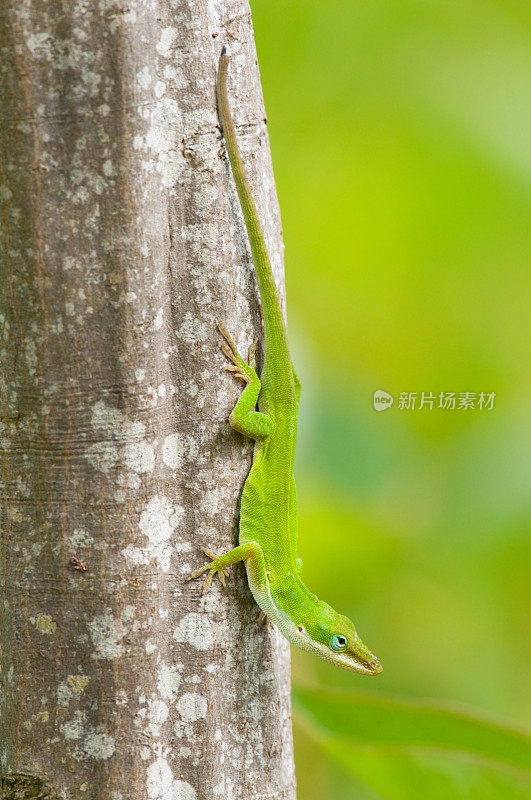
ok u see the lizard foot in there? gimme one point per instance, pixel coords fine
(221, 571)
(238, 367)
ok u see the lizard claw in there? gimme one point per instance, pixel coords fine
(226, 335)
(228, 351)
(236, 371)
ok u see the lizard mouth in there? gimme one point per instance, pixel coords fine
(369, 666)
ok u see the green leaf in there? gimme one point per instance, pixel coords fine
(408, 749)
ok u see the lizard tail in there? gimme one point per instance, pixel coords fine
(274, 329)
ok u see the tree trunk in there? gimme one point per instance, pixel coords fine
(122, 242)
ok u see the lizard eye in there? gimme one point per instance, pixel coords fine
(338, 642)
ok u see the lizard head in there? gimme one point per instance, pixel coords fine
(332, 636)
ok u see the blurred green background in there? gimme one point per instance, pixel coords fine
(400, 133)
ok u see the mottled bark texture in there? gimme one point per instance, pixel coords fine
(122, 242)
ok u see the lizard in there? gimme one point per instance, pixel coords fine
(266, 411)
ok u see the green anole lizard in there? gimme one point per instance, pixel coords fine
(268, 515)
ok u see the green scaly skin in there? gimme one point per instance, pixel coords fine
(268, 517)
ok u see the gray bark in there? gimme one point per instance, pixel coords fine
(122, 242)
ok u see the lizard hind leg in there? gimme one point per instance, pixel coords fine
(244, 418)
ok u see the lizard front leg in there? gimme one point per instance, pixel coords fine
(250, 552)
(244, 418)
